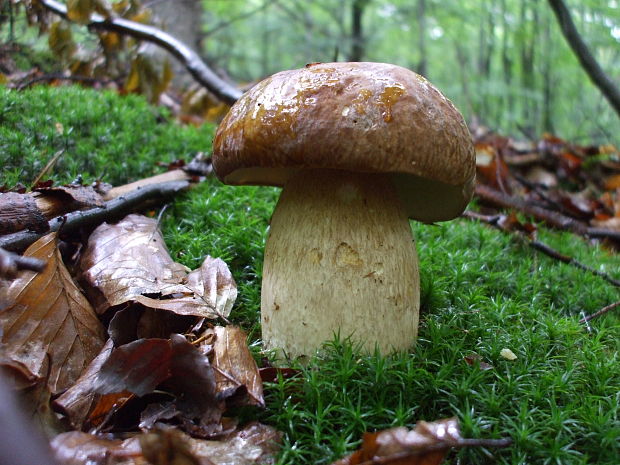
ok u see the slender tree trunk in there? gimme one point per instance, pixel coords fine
(486, 44)
(547, 77)
(507, 61)
(358, 40)
(182, 19)
(423, 63)
(585, 57)
(528, 78)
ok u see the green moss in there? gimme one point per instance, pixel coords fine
(102, 135)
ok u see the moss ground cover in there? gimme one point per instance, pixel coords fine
(481, 292)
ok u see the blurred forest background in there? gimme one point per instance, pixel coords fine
(504, 63)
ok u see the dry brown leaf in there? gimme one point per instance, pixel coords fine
(209, 292)
(129, 262)
(77, 448)
(426, 444)
(49, 329)
(253, 445)
(78, 401)
(234, 364)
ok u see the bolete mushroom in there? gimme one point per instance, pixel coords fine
(359, 148)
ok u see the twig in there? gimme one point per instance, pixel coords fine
(493, 220)
(113, 209)
(11, 263)
(554, 219)
(602, 311)
(190, 59)
(48, 166)
(402, 457)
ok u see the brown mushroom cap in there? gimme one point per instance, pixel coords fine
(365, 117)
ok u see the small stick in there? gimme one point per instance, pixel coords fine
(49, 165)
(552, 218)
(602, 311)
(113, 209)
(11, 263)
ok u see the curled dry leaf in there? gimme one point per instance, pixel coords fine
(426, 444)
(50, 331)
(129, 262)
(234, 365)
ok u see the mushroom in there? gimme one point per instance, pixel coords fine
(359, 148)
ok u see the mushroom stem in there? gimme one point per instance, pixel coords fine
(340, 258)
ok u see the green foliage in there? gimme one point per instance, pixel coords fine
(502, 62)
(103, 135)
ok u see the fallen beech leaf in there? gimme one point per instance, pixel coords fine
(127, 259)
(80, 402)
(508, 354)
(426, 444)
(234, 364)
(49, 328)
(475, 358)
(169, 447)
(77, 448)
(139, 322)
(129, 262)
(173, 366)
(210, 292)
(255, 444)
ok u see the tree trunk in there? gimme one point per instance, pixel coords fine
(586, 59)
(422, 64)
(181, 19)
(506, 61)
(358, 40)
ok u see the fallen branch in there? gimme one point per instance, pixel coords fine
(600, 79)
(11, 263)
(140, 198)
(552, 218)
(190, 59)
(602, 311)
(493, 220)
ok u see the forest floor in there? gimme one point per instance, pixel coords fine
(500, 345)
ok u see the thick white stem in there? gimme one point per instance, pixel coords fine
(340, 258)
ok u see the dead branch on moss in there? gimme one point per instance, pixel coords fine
(190, 59)
(602, 311)
(554, 219)
(138, 199)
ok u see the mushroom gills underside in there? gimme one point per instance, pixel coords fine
(340, 259)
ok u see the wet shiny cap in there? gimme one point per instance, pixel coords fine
(366, 117)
